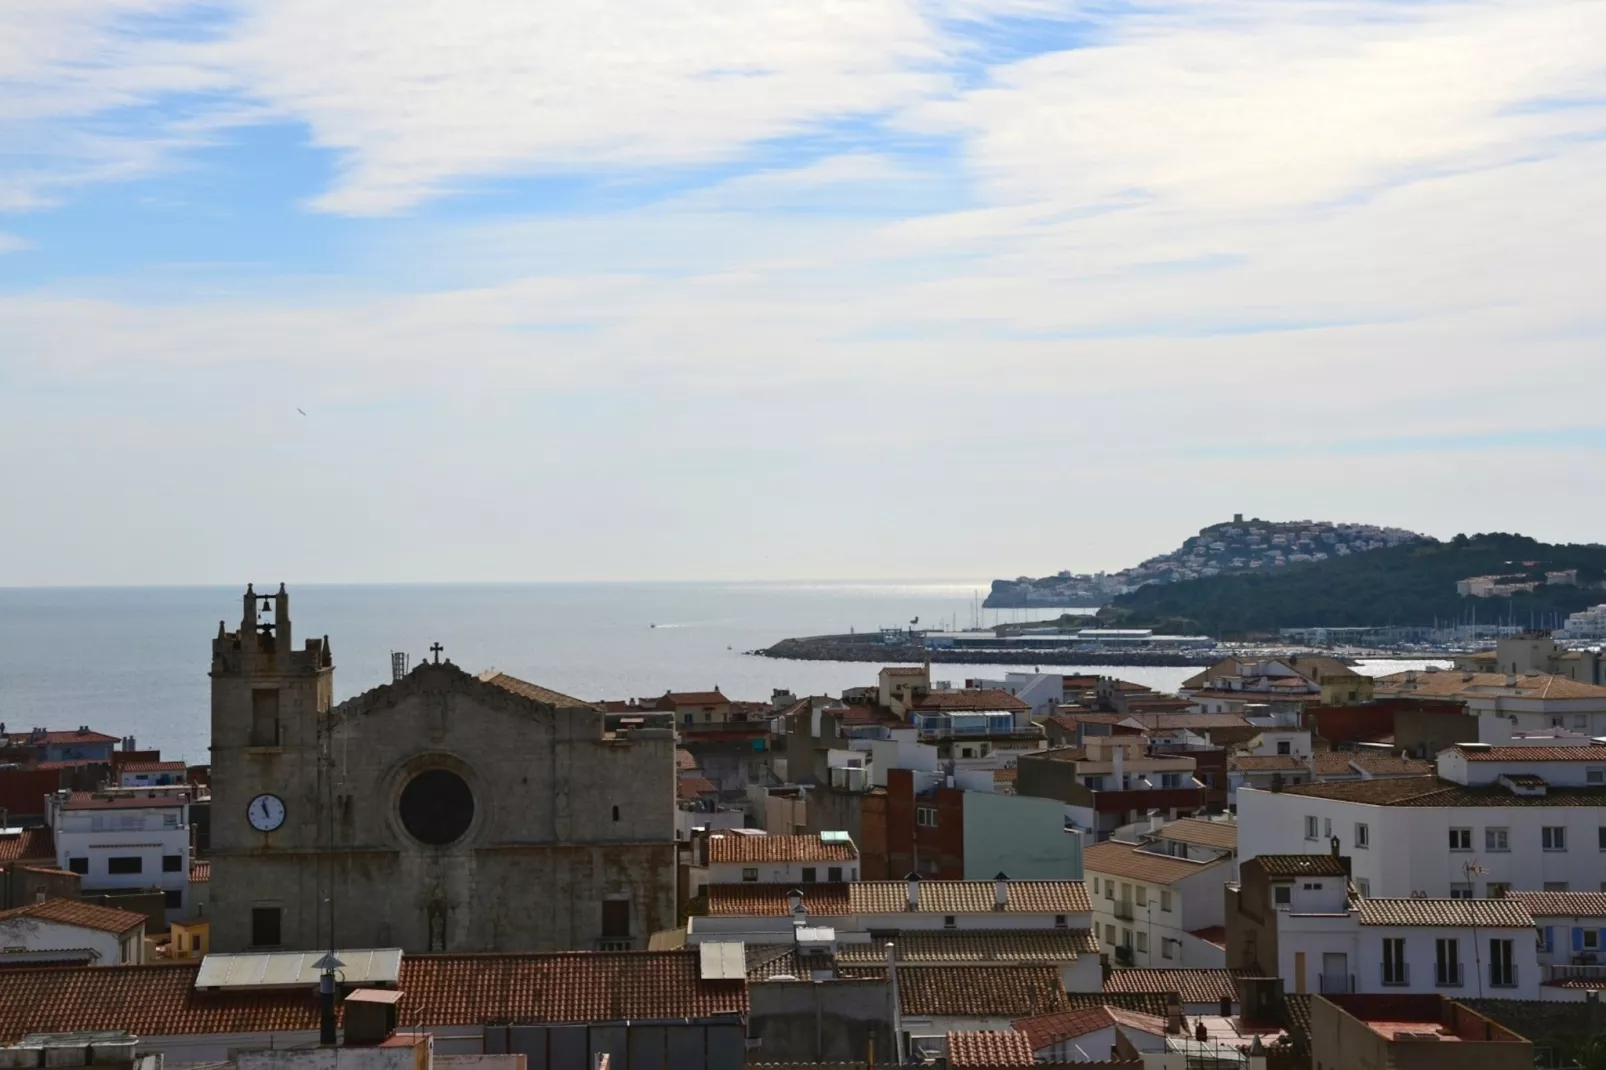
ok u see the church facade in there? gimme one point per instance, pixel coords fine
(442, 812)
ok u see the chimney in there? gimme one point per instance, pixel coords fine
(1173, 1014)
(326, 1005)
(914, 891)
(794, 900)
(1001, 891)
(1226, 1006)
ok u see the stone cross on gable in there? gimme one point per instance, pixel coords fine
(436, 650)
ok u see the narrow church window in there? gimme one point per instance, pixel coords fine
(437, 807)
(616, 813)
(265, 927)
(264, 718)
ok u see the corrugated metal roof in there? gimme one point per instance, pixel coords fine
(277, 969)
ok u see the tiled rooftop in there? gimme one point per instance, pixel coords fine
(1193, 722)
(981, 991)
(970, 699)
(153, 767)
(693, 698)
(801, 848)
(200, 872)
(1219, 834)
(72, 735)
(769, 900)
(1432, 791)
(684, 760)
(133, 799)
(985, 1050)
(1591, 753)
(1556, 904)
(1213, 934)
(1480, 913)
(30, 843)
(1266, 763)
(1045, 1029)
(83, 915)
(892, 897)
(1194, 986)
(1311, 865)
(975, 947)
(1352, 763)
(544, 695)
(1450, 683)
(695, 787)
(1127, 860)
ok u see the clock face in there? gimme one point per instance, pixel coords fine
(266, 812)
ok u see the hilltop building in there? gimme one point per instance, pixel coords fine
(427, 814)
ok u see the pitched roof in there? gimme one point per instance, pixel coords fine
(1128, 860)
(1147, 1023)
(1043, 1030)
(1265, 763)
(684, 759)
(1202, 833)
(1311, 865)
(1588, 753)
(1194, 986)
(128, 799)
(981, 991)
(801, 848)
(1447, 683)
(1482, 913)
(1352, 763)
(694, 698)
(1559, 904)
(71, 735)
(1211, 934)
(892, 897)
(200, 872)
(692, 787)
(1432, 791)
(1166, 722)
(544, 695)
(1146, 1003)
(970, 699)
(984, 1050)
(83, 915)
(30, 843)
(153, 767)
(919, 947)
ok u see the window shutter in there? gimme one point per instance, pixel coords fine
(1550, 938)
(1578, 939)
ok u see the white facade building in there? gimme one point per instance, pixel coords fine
(1571, 943)
(1529, 816)
(66, 930)
(736, 856)
(1153, 909)
(126, 839)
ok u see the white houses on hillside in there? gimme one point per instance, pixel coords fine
(1529, 816)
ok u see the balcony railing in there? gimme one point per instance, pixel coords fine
(616, 943)
(1503, 976)
(1568, 973)
(1396, 975)
(1340, 984)
(1123, 909)
(1451, 975)
(1123, 954)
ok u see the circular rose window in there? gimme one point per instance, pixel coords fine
(437, 807)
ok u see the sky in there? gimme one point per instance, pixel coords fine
(407, 290)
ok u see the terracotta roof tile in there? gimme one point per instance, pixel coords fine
(769, 900)
(1265, 763)
(1194, 986)
(1450, 683)
(83, 915)
(23, 739)
(684, 759)
(692, 787)
(1147, 1023)
(1044, 1030)
(984, 1050)
(1351, 763)
(535, 692)
(765, 961)
(153, 767)
(1212, 934)
(1194, 722)
(1588, 753)
(800, 848)
(200, 872)
(30, 843)
(1311, 865)
(1431, 791)
(1481, 913)
(1558, 904)
(981, 991)
(1147, 1003)
(1202, 833)
(1127, 860)
(971, 699)
(128, 799)
(693, 698)
(975, 947)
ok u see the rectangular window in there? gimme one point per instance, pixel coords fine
(125, 864)
(1143, 896)
(1282, 894)
(1363, 836)
(1095, 886)
(1460, 839)
(1310, 826)
(172, 863)
(1394, 968)
(834, 874)
(174, 899)
(1109, 934)
(1447, 963)
(616, 919)
(265, 926)
(1126, 892)
(1363, 887)
(78, 865)
(926, 816)
(1165, 947)
(1595, 776)
(1502, 970)
(1059, 921)
(810, 874)
(1165, 899)
(948, 921)
(1590, 939)
(1553, 837)
(1284, 747)
(170, 821)
(265, 717)
(1327, 828)
(1143, 942)
(1109, 888)
(1496, 839)
(750, 874)
(1126, 937)
(1600, 834)
(1460, 891)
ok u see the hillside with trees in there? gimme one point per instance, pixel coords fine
(1409, 585)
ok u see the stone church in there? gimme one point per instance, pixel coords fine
(442, 812)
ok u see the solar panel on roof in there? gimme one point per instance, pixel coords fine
(286, 969)
(722, 961)
(834, 837)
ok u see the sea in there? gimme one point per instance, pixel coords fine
(133, 661)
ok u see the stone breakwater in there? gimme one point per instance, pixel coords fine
(870, 647)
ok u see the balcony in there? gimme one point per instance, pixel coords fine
(1123, 909)
(1340, 984)
(616, 943)
(1570, 973)
(1396, 975)
(1123, 954)
(1449, 975)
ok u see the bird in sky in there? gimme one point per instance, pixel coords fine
(302, 411)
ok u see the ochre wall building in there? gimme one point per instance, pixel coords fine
(442, 812)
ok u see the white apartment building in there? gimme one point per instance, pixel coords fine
(1154, 909)
(1571, 943)
(1321, 938)
(123, 838)
(1526, 702)
(1530, 816)
(735, 856)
